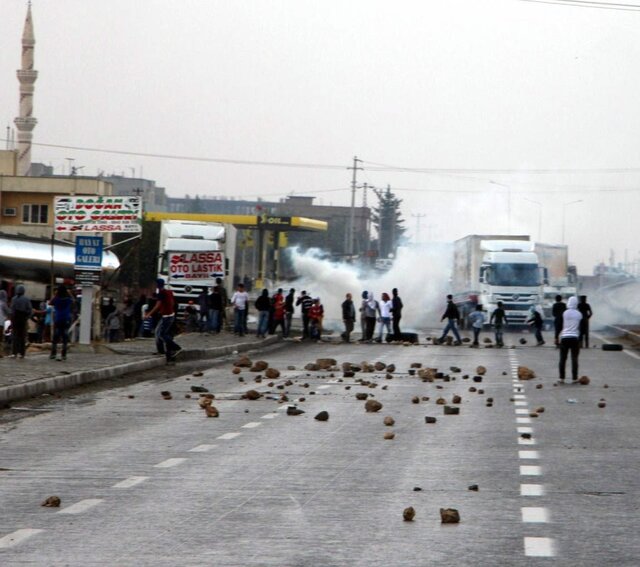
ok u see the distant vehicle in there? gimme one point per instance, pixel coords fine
(193, 254)
(492, 268)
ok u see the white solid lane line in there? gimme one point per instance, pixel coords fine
(531, 490)
(530, 470)
(80, 507)
(251, 425)
(170, 463)
(202, 448)
(534, 515)
(131, 481)
(539, 547)
(528, 455)
(17, 537)
(232, 435)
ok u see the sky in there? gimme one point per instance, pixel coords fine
(488, 116)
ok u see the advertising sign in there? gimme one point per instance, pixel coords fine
(98, 214)
(88, 253)
(88, 277)
(196, 265)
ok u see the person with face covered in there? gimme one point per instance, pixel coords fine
(570, 338)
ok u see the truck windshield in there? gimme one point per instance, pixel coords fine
(514, 274)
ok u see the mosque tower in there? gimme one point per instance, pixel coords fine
(25, 123)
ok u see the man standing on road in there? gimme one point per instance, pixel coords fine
(452, 315)
(289, 309)
(570, 338)
(20, 312)
(557, 310)
(396, 314)
(225, 303)
(166, 306)
(498, 319)
(348, 317)
(240, 302)
(371, 311)
(585, 311)
(305, 303)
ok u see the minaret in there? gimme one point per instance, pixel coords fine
(25, 123)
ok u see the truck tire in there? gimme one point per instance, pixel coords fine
(405, 338)
(612, 347)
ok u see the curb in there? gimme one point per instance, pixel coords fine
(53, 384)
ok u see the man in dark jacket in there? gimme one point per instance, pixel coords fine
(20, 312)
(396, 314)
(452, 315)
(557, 310)
(348, 317)
(585, 311)
(289, 309)
(305, 303)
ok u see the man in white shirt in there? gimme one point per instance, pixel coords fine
(240, 301)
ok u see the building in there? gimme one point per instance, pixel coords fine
(154, 198)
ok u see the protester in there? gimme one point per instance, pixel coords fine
(371, 311)
(570, 338)
(203, 313)
(240, 300)
(348, 317)
(62, 304)
(112, 325)
(452, 315)
(316, 314)
(278, 313)
(396, 314)
(289, 309)
(498, 319)
(477, 322)
(20, 312)
(363, 317)
(585, 311)
(536, 322)
(215, 307)
(384, 306)
(305, 302)
(166, 307)
(263, 306)
(557, 310)
(224, 298)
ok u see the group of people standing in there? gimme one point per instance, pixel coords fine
(387, 312)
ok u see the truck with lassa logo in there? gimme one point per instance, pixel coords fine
(193, 254)
(492, 268)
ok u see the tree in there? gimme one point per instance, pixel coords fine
(387, 220)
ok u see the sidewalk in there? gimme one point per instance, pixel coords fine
(36, 374)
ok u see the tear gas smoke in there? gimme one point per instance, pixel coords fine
(421, 274)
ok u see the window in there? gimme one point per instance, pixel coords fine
(35, 214)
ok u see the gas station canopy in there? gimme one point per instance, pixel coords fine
(264, 221)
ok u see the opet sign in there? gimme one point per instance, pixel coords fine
(196, 265)
(98, 214)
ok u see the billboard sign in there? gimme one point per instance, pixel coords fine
(193, 266)
(88, 253)
(98, 214)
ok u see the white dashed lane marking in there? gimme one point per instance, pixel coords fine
(170, 463)
(528, 455)
(131, 481)
(523, 420)
(534, 515)
(251, 425)
(531, 490)
(201, 449)
(524, 429)
(14, 538)
(80, 507)
(530, 470)
(522, 441)
(538, 547)
(232, 435)
(522, 411)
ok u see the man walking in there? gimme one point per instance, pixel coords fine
(396, 314)
(166, 306)
(452, 315)
(348, 317)
(498, 319)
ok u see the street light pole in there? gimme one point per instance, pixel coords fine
(508, 188)
(564, 210)
(539, 217)
(352, 212)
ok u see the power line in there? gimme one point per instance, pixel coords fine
(594, 5)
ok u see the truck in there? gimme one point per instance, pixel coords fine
(492, 268)
(192, 255)
(559, 277)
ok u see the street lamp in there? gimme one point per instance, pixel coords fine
(564, 209)
(539, 216)
(508, 187)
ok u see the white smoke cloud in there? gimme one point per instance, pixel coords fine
(421, 275)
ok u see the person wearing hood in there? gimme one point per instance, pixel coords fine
(20, 312)
(535, 320)
(371, 311)
(557, 310)
(570, 338)
(62, 304)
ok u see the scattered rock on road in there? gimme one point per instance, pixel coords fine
(362, 396)
(389, 435)
(450, 410)
(429, 419)
(389, 421)
(292, 410)
(372, 406)
(584, 380)
(243, 362)
(259, 366)
(408, 514)
(473, 487)
(198, 373)
(166, 395)
(525, 373)
(415, 400)
(481, 370)
(198, 389)
(449, 516)
(322, 416)
(272, 373)
(211, 411)
(252, 395)
(51, 502)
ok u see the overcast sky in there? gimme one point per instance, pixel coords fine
(464, 85)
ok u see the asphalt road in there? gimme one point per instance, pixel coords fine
(148, 481)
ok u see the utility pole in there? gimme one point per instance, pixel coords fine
(352, 216)
(418, 216)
